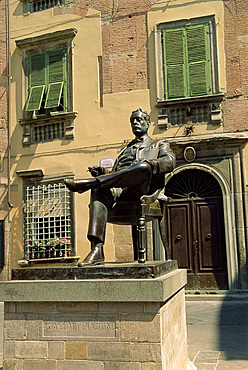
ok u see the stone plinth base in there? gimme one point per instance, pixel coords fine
(128, 270)
(130, 324)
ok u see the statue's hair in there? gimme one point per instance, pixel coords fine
(145, 114)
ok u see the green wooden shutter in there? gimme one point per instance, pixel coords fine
(54, 94)
(37, 81)
(37, 70)
(174, 63)
(198, 60)
(35, 98)
(56, 78)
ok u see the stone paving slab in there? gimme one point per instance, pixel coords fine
(218, 333)
(215, 360)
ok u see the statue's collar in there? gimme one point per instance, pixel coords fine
(141, 139)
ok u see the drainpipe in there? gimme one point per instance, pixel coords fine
(8, 102)
(244, 271)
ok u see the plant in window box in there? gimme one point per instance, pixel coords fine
(55, 247)
(32, 249)
(59, 247)
(36, 249)
(43, 250)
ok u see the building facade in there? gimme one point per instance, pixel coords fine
(78, 69)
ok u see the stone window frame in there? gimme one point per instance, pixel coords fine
(206, 105)
(62, 123)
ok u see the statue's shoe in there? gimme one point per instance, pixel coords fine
(95, 257)
(80, 186)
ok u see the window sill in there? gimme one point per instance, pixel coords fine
(51, 260)
(60, 124)
(204, 98)
(194, 110)
(44, 118)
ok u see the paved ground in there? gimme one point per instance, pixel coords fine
(218, 334)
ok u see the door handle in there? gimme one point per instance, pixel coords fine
(196, 246)
(178, 237)
(209, 236)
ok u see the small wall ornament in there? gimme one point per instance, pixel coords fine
(189, 154)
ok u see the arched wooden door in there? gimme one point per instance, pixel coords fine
(195, 228)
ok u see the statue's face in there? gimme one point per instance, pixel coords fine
(138, 123)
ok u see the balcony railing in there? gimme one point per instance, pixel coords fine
(37, 6)
(197, 114)
(47, 128)
(49, 132)
(199, 110)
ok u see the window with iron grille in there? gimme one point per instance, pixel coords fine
(47, 217)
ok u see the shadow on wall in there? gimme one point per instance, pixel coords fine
(233, 326)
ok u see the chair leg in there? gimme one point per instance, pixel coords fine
(142, 242)
(135, 242)
(164, 238)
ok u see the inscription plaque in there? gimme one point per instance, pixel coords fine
(83, 327)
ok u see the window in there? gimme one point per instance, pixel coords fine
(186, 61)
(187, 73)
(188, 58)
(47, 82)
(48, 85)
(47, 217)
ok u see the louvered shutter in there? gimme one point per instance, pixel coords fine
(174, 63)
(35, 98)
(54, 95)
(37, 81)
(56, 78)
(198, 60)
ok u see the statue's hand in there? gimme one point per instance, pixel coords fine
(153, 163)
(96, 170)
(149, 161)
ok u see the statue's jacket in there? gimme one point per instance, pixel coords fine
(160, 153)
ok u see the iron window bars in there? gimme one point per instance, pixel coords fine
(47, 215)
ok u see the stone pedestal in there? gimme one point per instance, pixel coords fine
(96, 324)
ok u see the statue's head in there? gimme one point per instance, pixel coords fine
(140, 122)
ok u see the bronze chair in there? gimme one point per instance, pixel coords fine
(137, 214)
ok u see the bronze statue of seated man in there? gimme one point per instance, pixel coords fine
(139, 169)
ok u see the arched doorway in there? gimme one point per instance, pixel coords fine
(195, 228)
